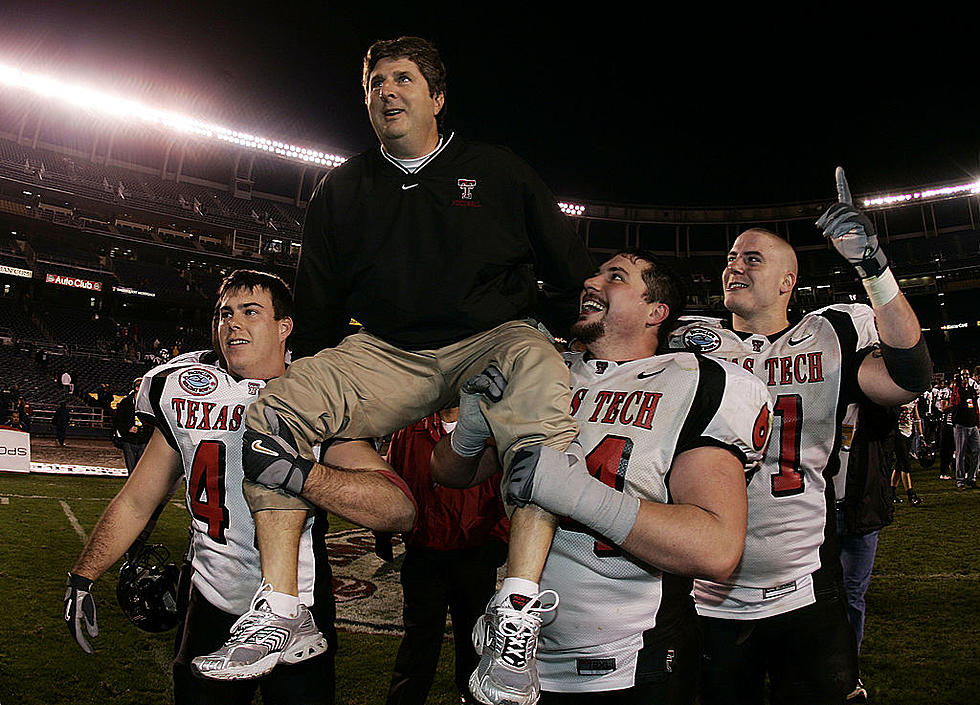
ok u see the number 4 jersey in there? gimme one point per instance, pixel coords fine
(811, 372)
(200, 409)
(634, 419)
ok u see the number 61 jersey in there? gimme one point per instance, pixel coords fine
(200, 409)
(811, 372)
(634, 419)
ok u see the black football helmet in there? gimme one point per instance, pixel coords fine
(926, 455)
(147, 589)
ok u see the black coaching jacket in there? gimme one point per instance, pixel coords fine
(428, 258)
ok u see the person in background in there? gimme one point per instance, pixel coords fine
(963, 404)
(451, 559)
(129, 433)
(60, 421)
(26, 413)
(864, 507)
(944, 432)
(903, 470)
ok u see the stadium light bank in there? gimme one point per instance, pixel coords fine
(124, 108)
(129, 109)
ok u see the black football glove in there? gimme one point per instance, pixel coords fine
(852, 233)
(272, 459)
(80, 608)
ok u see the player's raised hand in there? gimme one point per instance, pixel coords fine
(272, 459)
(472, 430)
(843, 189)
(852, 233)
(79, 610)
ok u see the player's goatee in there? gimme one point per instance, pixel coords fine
(588, 333)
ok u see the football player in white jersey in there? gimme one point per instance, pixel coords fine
(197, 403)
(656, 496)
(782, 612)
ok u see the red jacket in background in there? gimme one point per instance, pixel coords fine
(448, 519)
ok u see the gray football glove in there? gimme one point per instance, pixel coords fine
(852, 233)
(472, 430)
(79, 609)
(272, 459)
(560, 483)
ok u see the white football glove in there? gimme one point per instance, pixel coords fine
(79, 609)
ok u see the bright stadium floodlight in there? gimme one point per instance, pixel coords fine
(930, 194)
(574, 209)
(122, 108)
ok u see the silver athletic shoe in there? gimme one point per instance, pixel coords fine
(506, 637)
(259, 641)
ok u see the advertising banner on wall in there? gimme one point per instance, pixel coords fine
(15, 450)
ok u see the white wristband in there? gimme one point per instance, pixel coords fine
(881, 289)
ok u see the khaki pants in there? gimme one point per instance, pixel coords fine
(366, 388)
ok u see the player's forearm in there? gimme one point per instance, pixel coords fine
(450, 469)
(897, 323)
(371, 498)
(117, 528)
(685, 539)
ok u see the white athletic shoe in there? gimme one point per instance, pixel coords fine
(259, 641)
(506, 637)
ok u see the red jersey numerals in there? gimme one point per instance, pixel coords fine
(789, 480)
(206, 488)
(606, 462)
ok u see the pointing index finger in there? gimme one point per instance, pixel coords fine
(843, 190)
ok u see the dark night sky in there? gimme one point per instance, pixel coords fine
(660, 107)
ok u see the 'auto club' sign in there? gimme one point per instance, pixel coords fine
(73, 282)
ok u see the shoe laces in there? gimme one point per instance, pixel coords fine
(519, 628)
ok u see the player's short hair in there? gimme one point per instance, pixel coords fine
(282, 298)
(420, 52)
(663, 284)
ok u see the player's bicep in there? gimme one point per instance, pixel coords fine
(154, 475)
(712, 478)
(876, 383)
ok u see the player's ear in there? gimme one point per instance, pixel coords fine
(285, 327)
(658, 313)
(788, 283)
(440, 100)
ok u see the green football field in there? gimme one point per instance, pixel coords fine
(920, 643)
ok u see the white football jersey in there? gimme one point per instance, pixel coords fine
(200, 409)
(811, 372)
(634, 419)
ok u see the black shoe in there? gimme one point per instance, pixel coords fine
(971, 484)
(895, 498)
(859, 694)
(914, 499)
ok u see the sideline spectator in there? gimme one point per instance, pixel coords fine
(60, 421)
(104, 398)
(128, 433)
(903, 470)
(864, 508)
(944, 412)
(66, 382)
(26, 414)
(451, 559)
(963, 403)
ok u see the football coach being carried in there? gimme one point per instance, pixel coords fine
(436, 245)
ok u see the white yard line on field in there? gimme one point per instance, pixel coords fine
(74, 521)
